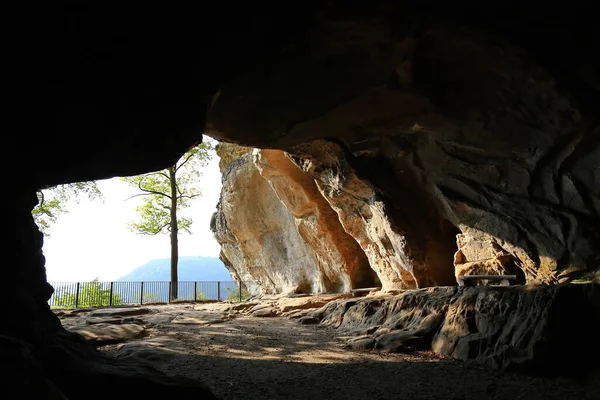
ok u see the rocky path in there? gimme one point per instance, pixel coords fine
(245, 357)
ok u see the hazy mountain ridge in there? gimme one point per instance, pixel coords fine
(191, 268)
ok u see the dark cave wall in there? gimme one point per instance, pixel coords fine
(493, 108)
(441, 124)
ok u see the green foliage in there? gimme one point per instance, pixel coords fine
(52, 202)
(155, 212)
(201, 296)
(151, 298)
(233, 295)
(91, 294)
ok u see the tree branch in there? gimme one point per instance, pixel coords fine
(151, 191)
(159, 173)
(139, 194)
(178, 189)
(185, 161)
(188, 196)
(157, 232)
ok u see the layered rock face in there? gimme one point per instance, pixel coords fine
(277, 232)
(518, 328)
(444, 151)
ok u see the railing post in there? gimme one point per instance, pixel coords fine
(111, 294)
(77, 296)
(195, 291)
(218, 291)
(240, 291)
(170, 293)
(142, 293)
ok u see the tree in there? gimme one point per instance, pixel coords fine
(166, 192)
(90, 294)
(52, 202)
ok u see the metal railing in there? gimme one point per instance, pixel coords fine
(109, 294)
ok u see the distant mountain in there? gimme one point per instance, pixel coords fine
(191, 268)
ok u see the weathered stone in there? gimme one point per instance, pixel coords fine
(295, 314)
(159, 319)
(101, 320)
(262, 246)
(120, 312)
(100, 334)
(85, 367)
(243, 306)
(518, 328)
(392, 240)
(133, 320)
(264, 312)
(201, 319)
(287, 304)
(341, 262)
(154, 350)
(308, 320)
(78, 311)
(507, 162)
(262, 305)
(362, 344)
(415, 335)
(22, 373)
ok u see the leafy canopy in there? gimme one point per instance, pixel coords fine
(52, 202)
(157, 188)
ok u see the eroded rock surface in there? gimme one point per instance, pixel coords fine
(264, 243)
(291, 307)
(520, 328)
(119, 312)
(103, 333)
(444, 151)
(341, 261)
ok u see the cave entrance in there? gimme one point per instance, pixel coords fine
(103, 238)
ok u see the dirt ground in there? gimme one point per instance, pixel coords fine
(276, 358)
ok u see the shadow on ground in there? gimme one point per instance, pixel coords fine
(275, 358)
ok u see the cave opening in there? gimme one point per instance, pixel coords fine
(503, 99)
(107, 243)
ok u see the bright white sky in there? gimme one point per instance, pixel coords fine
(92, 240)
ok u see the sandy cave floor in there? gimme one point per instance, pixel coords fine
(276, 358)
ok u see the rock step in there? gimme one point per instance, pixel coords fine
(541, 329)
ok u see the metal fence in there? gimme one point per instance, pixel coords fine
(109, 294)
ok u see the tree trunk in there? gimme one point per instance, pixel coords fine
(174, 228)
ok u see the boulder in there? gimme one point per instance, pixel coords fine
(101, 334)
(535, 329)
(308, 320)
(199, 319)
(103, 320)
(287, 304)
(120, 312)
(264, 312)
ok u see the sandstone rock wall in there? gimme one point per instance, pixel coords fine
(340, 259)
(277, 233)
(338, 221)
(443, 150)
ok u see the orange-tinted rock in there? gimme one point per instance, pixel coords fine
(341, 261)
